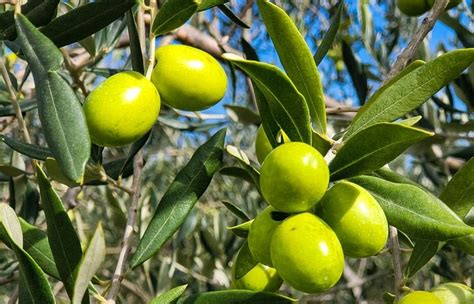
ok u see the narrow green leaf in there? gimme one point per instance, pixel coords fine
(236, 211)
(170, 296)
(414, 211)
(93, 258)
(241, 230)
(244, 161)
(59, 109)
(25, 106)
(238, 172)
(207, 4)
(411, 90)
(459, 196)
(356, 71)
(173, 14)
(287, 105)
(135, 49)
(33, 151)
(242, 115)
(11, 226)
(331, 33)
(269, 123)
(244, 262)
(35, 242)
(410, 121)
(65, 244)
(238, 296)
(459, 193)
(422, 253)
(85, 20)
(34, 286)
(321, 143)
(297, 60)
(39, 12)
(230, 14)
(134, 149)
(372, 148)
(181, 196)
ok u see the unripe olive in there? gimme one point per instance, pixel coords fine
(187, 78)
(306, 253)
(121, 109)
(420, 297)
(259, 278)
(454, 293)
(260, 236)
(357, 219)
(294, 177)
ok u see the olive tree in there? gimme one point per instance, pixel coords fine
(168, 217)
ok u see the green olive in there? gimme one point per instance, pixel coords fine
(420, 297)
(259, 278)
(121, 109)
(413, 8)
(454, 293)
(294, 177)
(357, 219)
(187, 78)
(306, 253)
(260, 236)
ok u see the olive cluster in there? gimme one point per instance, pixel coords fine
(418, 7)
(125, 106)
(307, 230)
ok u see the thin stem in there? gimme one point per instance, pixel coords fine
(409, 52)
(397, 265)
(151, 51)
(127, 236)
(15, 104)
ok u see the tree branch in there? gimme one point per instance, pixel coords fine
(409, 52)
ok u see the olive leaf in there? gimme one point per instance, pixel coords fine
(241, 230)
(414, 211)
(85, 20)
(297, 60)
(422, 253)
(170, 296)
(411, 90)
(181, 196)
(59, 109)
(287, 105)
(372, 148)
(65, 244)
(244, 262)
(459, 196)
(173, 14)
(33, 286)
(329, 36)
(33, 151)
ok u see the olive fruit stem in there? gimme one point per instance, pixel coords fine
(409, 52)
(151, 50)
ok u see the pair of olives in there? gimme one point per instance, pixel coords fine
(126, 105)
(307, 248)
(418, 7)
